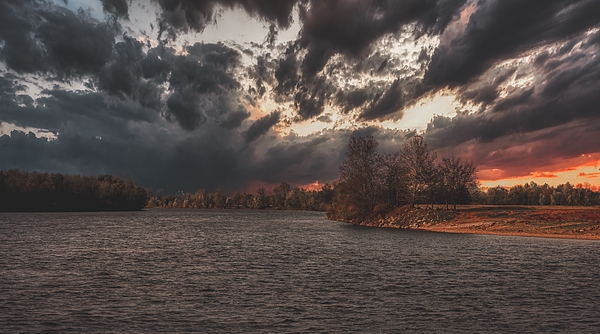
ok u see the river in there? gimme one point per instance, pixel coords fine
(279, 272)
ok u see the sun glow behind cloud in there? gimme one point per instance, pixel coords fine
(584, 173)
(418, 116)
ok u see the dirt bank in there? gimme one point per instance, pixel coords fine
(530, 221)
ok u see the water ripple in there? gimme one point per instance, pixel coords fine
(250, 271)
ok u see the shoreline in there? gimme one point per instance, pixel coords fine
(582, 223)
(511, 234)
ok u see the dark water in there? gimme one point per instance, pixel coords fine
(250, 271)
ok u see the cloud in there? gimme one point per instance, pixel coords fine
(119, 8)
(588, 175)
(40, 37)
(552, 114)
(172, 115)
(544, 175)
(261, 126)
(235, 119)
(350, 27)
(179, 16)
(500, 30)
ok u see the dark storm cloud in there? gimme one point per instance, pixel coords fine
(235, 119)
(310, 99)
(335, 27)
(94, 113)
(40, 37)
(121, 76)
(352, 99)
(261, 126)
(293, 159)
(391, 101)
(184, 15)
(262, 74)
(197, 84)
(116, 7)
(205, 77)
(185, 107)
(554, 116)
(501, 29)
(352, 26)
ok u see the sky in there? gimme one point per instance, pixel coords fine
(181, 95)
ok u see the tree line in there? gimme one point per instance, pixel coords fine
(281, 197)
(33, 191)
(371, 183)
(534, 194)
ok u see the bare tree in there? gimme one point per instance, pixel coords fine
(394, 183)
(359, 184)
(457, 178)
(262, 199)
(420, 167)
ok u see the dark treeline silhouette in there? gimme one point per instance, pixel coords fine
(32, 191)
(534, 194)
(282, 197)
(372, 184)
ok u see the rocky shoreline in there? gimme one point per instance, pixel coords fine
(530, 221)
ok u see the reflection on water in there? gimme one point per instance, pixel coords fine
(252, 271)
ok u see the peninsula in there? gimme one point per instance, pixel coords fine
(575, 222)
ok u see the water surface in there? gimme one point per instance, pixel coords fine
(265, 271)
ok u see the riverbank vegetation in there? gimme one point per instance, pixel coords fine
(371, 184)
(281, 197)
(410, 189)
(32, 191)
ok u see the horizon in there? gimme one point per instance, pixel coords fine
(183, 95)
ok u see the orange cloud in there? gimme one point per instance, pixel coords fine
(544, 175)
(588, 175)
(491, 174)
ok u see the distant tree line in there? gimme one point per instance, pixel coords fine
(32, 191)
(534, 194)
(282, 197)
(371, 183)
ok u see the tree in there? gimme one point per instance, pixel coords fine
(358, 185)
(237, 200)
(280, 194)
(456, 178)
(219, 199)
(394, 175)
(262, 198)
(420, 168)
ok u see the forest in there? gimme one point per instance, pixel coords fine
(370, 184)
(32, 191)
(281, 197)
